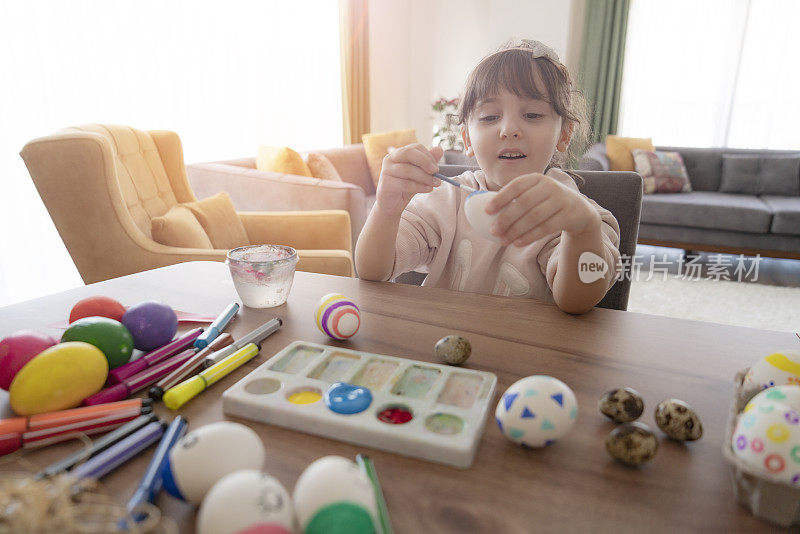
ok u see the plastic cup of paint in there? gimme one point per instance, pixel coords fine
(262, 274)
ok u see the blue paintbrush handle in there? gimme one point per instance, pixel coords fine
(150, 484)
(453, 182)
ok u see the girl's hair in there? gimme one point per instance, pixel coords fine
(514, 68)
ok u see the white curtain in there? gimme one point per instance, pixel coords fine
(712, 73)
(226, 76)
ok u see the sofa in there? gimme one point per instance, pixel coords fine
(105, 185)
(254, 190)
(764, 221)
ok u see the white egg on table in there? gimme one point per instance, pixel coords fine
(767, 439)
(205, 455)
(334, 492)
(776, 369)
(475, 211)
(245, 499)
(536, 411)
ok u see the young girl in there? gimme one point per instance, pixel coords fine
(518, 115)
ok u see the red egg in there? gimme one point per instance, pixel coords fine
(97, 306)
(18, 349)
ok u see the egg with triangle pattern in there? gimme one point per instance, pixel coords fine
(536, 411)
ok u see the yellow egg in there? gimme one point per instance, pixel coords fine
(58, 378)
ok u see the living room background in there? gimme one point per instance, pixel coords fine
(267, 72)
(227, 79)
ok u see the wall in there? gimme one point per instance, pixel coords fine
(421, 49)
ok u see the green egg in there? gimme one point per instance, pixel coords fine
(110, 336)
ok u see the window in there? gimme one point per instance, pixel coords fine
(227, 77)
(712, 73)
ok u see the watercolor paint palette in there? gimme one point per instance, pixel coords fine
(419, 409)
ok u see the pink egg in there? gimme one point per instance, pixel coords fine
(18, 349)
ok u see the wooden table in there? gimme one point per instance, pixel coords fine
(572, 486)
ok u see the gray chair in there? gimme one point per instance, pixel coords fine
(618, 192)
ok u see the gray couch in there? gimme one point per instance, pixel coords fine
(742, 202)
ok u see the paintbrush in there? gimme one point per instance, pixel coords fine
(453, 182)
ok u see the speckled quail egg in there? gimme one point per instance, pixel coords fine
(678, 420)
(632, 443)
(621, 405)
(453, 349)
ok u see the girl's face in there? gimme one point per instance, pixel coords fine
(511, 136)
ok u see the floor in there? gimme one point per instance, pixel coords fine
(770, 271)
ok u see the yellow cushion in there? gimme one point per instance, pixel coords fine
(620, 151)
(322, 168)
(377, 145)
(281, 159)
(220, 221)
(179, 228)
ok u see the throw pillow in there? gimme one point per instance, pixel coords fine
(662, 172)
(377, 145)
(779, 175)
(281, 159)
(179, 228)
(322, 168)
(739, 174)
(220, 221)
(619, 151)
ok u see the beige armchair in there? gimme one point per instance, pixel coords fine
(102, 186)
(254, 190)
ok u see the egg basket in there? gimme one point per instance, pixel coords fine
(773, 501)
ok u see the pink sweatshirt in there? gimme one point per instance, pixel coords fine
(435, 237)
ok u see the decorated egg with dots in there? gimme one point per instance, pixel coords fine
(776, 369)
(536, 411)
(788, 395)
(337, 316)
(767, 440)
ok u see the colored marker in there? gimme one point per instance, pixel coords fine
(45, 429)
(383, 512)
(215, 328)
(139, 381)
(97, 446)
(151, 482)
(179, 395)
(120, 452)
(116, 376)
(256, 336)
(189, 367)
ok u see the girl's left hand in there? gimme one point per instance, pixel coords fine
(533, 206)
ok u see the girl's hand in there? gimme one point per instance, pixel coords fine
(406, 172)
(533, 206)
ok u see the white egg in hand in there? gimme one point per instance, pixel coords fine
(333, 491)
(475, 211)
(244, 499)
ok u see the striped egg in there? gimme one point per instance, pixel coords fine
(337, 316)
